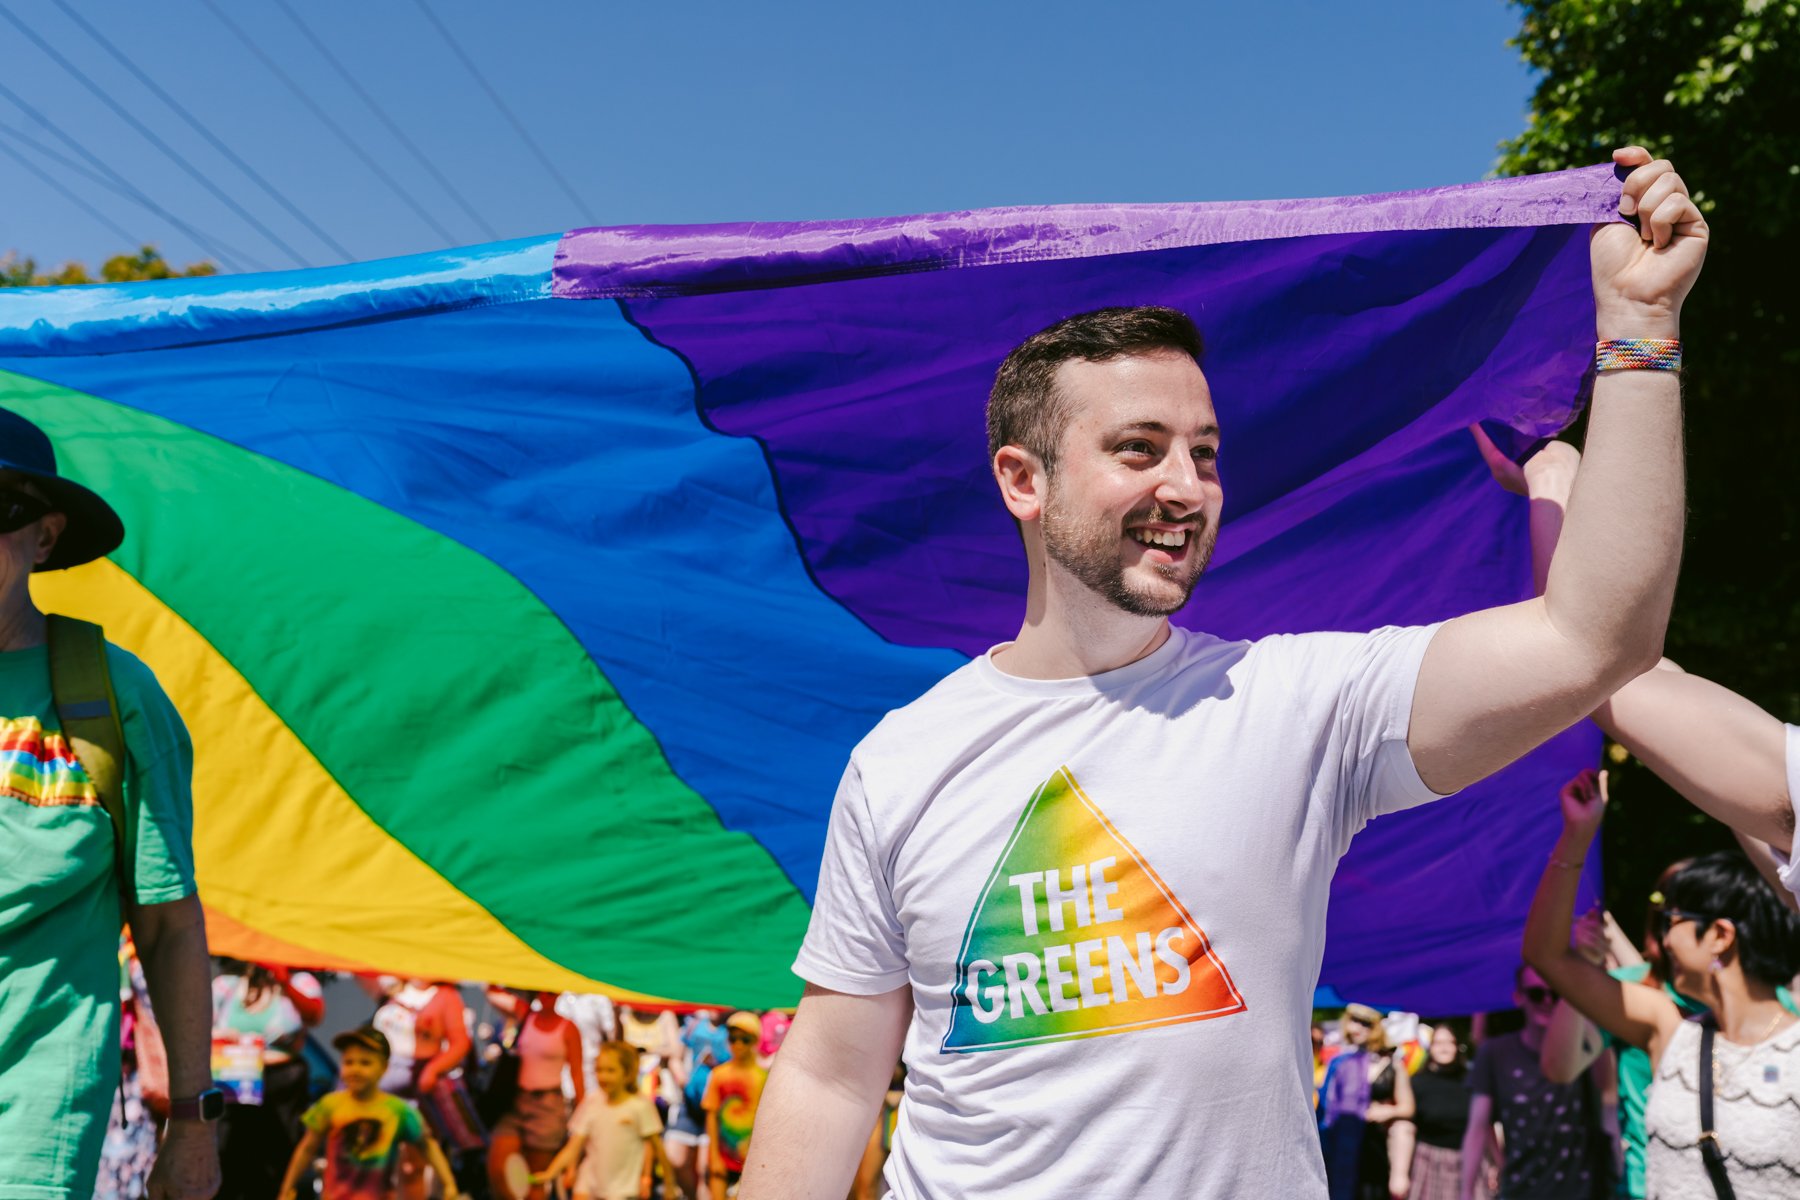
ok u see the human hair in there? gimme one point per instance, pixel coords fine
(1724, 886)
(627, 1054)
(1026, 409)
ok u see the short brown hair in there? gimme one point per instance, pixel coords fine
(1024, 408)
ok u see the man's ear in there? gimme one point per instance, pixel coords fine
(1022, 479)
(50, 527)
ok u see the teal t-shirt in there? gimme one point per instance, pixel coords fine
(59, 914)
(1635, 1074)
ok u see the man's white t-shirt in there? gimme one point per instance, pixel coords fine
(1108, 896)
(1790, 869)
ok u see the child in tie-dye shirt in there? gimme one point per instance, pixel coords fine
(361, 1129)
(731, 1098)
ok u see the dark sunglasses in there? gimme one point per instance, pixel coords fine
(1537, 995)
(1668, 918)
(19, 509)
(740, 1037)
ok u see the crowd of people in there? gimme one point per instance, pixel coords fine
(447, 1091)
(1600, 1088)
(506, 1094)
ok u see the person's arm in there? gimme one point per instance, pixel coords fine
(434, 1154)
(171, 945)
(709, 1108)
(1571, 1044)
(1620, 950)
(1475, 1141)
(573, 1051)
(1639, 1016)
(309, 1004)
(567, 1157)
(1402, 1139)
(1405, 1108)
(1725, 755)
(824, 1092)
(647, 1174)
(1762, 857)
(1495, 684)
(455, 1035)
(302, 1158)
(1400, 1108)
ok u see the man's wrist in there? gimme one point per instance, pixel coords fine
(1637, 322)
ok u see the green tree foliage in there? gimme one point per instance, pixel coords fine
(1714, 86)
(147, 263)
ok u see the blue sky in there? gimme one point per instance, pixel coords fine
(690, 112)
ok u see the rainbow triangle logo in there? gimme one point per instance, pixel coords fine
(1075, 936)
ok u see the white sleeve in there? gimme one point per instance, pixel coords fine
(854, 942)
(1790, 862)
(1374, 711)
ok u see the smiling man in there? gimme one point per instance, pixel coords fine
(1084, 878)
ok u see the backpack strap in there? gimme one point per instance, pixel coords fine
(81, 688)
(1709, 1138)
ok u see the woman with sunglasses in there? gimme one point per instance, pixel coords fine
(1729, 943)
(1366, 1090)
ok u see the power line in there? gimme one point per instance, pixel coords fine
(219, 250)
(368, 160)
(70, 195)
(524, 134)
(382, 116)
(19, 135)
(234, 259)
(150, 136)
(63, 160)
(195, 124)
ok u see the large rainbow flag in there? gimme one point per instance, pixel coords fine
(525, 600)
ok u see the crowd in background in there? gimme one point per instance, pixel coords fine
(529, 1095)
(1598, 1091)
(525, 1095)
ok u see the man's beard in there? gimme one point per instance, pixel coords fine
(1089, 550)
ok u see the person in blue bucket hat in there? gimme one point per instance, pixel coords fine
(80, 859)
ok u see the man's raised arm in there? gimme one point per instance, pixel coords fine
(824, 1094)
(1495, 684)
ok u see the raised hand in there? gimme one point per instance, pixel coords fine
(1642, 276)
(1549, 473)
(1590, 937)
(1584, 801)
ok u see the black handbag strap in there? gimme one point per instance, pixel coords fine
(1709, 1139)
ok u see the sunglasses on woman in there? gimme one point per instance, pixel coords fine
(19, 508)
(1537, 994)
(1668, 918)
(740, 1037)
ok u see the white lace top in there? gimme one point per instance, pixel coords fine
(1756, 1113)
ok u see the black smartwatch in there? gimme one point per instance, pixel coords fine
(207, 1106)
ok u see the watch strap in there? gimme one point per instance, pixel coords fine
(207, 1106)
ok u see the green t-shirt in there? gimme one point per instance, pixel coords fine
(59, 914)
(1635, 1074)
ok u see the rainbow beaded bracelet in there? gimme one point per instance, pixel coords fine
(1637, 354)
